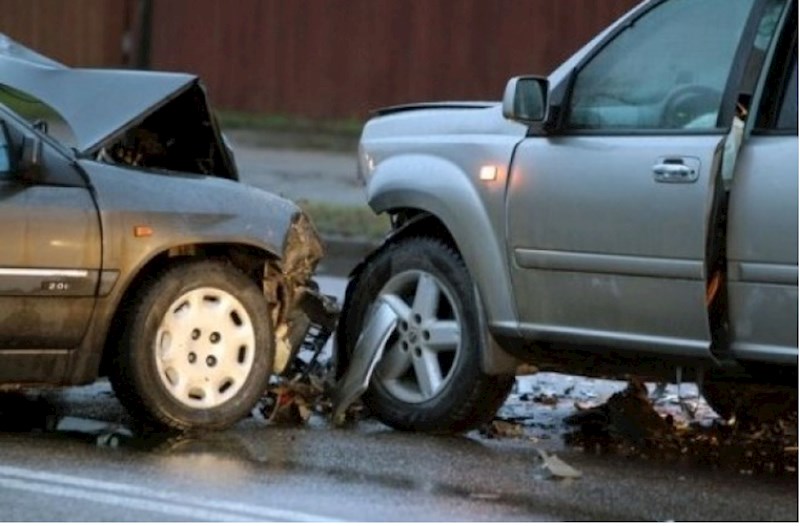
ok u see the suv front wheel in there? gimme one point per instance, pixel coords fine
(429, 378)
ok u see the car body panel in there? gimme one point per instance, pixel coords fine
(603, 247)
(762, 250)
(100, 105)
(182, 209)
(51, 257)
(96, 104)
(439, 174)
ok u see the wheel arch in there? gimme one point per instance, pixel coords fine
(442, 190)
(419, 223)
(247, 258)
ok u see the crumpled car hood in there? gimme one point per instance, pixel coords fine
(101, 104)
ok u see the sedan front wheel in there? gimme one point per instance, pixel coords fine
(197, 348)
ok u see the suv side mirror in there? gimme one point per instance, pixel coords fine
(525, 99)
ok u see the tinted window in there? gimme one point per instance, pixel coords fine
(5, 154)
(787, 118)
(666, 71)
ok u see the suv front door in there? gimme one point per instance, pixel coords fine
(609, 219)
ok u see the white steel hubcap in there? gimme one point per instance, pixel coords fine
(205, 348)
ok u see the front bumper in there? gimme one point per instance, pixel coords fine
(302, 316)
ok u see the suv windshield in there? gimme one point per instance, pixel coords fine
(652, 76)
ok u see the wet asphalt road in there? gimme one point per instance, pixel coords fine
(263, 472)
(301, 175)
(70, 455)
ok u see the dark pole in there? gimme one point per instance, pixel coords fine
(145, 33)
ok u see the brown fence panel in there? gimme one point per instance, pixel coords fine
(340, 58)
(320, 58)
(76, 32)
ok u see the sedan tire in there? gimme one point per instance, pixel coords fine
(197, 348)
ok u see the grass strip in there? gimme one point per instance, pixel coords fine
(347, 221)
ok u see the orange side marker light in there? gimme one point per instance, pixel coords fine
(142, 231)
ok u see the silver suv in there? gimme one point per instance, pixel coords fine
(634, 212)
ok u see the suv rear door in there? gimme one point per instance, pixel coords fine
(50, 261)
(609, 219)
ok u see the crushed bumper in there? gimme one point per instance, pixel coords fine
(303, 317)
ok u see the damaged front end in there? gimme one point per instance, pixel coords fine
(302, 317)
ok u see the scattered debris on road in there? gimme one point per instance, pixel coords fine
(292, 401)
(553, 467)
(629, 424)
(500, 428)
(628, 415)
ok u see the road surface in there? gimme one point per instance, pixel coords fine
(71, 455)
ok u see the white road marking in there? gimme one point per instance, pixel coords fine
(182, 512)
(137, 497)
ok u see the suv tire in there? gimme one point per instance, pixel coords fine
(430, 377)
(196, 351)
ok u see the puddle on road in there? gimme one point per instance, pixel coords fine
(25, 413)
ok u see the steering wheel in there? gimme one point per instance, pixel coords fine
(688, 102)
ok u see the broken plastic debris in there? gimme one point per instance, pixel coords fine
(503, 429)
(554, 467)
(293, 401)
(366, 355)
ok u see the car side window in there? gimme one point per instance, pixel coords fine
(666, 71)
(5, 153)
(787, 117)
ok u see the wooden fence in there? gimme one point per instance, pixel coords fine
(76, 32)
(320, 58)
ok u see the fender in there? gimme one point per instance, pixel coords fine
(202, 215)
(442, 189)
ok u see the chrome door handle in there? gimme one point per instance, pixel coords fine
(675, 173)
